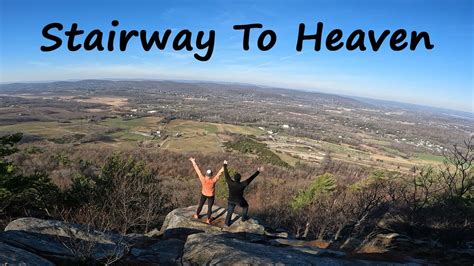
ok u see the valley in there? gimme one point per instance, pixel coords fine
(200, 118)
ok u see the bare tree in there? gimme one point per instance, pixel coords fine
(458, 172)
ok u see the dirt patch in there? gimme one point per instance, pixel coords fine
(95, 110)
(114, 101)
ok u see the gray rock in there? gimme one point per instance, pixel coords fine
(321, 251)
(61, 241)
(288, 242)
(36, 243)
(469, 245)
(384, 243)
(63, 229)
(59, 248)
(305, 246)
(10, 255)
(179, 223)
(397, 242)
(181, 239)
(67, 243)
(154, 233)
(223, 248)
(277, 234)
(166, 252)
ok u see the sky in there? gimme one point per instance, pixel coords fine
(441, 77)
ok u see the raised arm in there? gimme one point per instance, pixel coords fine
(196, 168)
(252, 177)
(226, 173)
(218, 175)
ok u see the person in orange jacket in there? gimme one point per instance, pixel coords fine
(208, 184)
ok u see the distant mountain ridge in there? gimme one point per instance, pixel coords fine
(181, 86)
(415, 107)
(349, 101)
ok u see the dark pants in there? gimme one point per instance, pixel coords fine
(230, 210)
(210, 202)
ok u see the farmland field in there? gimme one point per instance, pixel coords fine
(192, 136)
(304, 127)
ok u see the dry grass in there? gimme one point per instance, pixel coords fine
(113, 101)
(204, 144)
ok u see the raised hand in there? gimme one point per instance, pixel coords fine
(260, 169)
(192, 159)
(225, 161)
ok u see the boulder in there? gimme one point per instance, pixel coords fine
(10, 255)
(223, 248)
(385, 242)
(37, 243)
(63, 242)
(278, 233)
(182, 239)
(179, 223)
(397, 242)
(61, 249)
(63, 229)
(314, 245)
(164, 252)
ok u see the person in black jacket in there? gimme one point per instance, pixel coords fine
(236, 193)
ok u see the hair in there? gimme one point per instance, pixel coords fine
(237, 177)
(209, 172)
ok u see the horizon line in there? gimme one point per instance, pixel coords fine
(470, 112)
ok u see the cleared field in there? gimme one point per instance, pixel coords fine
(53, 129)
(394, 152)
(205, 144)
(113, 101)
(183, 135)
(147, 123)
(191, 128)
(244, 130)
(430, 157)
(129, 136)
(291, 149)
(193, 136)
(44, 129)
(376, 141)
(200, 136)
(287, 158)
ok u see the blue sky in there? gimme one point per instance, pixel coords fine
(439, 77)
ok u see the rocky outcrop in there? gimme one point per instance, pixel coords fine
(164, 252)
(62, 229)
(397, 242)
(386, 242)
(224, 248)
(181, 240)
(179, 223)
(10, 255)
(63, 242)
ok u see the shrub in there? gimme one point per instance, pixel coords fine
(21, 194)
(323, 184)
(265, 155)
(7, 147)
(125, 193)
